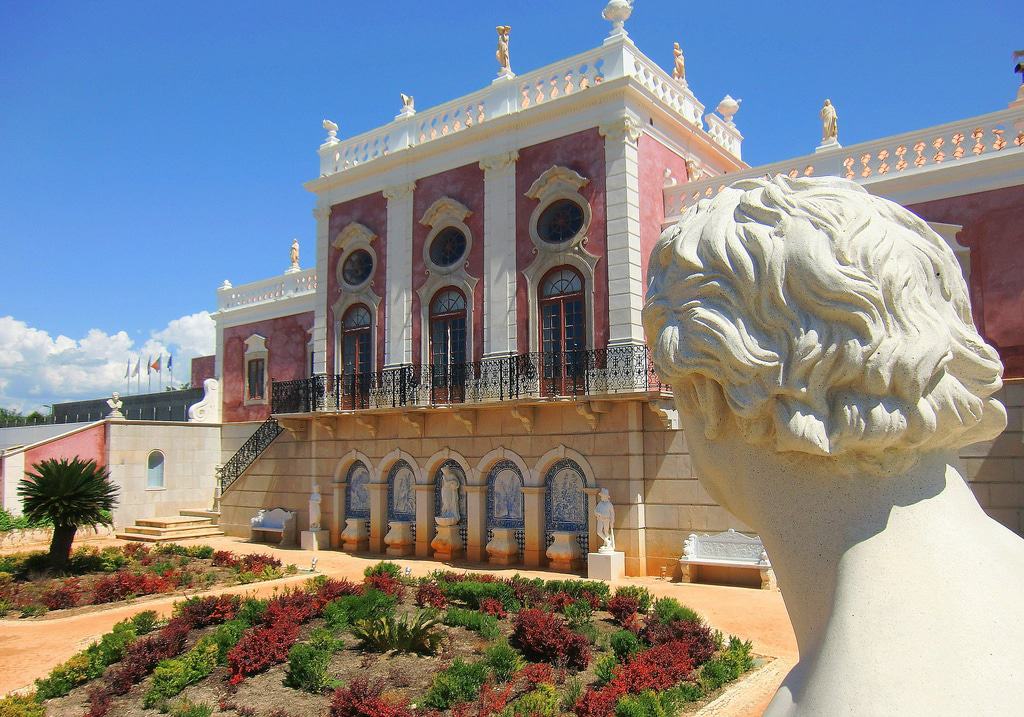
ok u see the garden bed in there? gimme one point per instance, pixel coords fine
(96, 578)
(465, 645)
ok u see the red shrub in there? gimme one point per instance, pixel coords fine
(622, 608)
(542, 636)
(593, 600)
(361, 698)
(292, 607)
(261, 647)
(493, 606)
(699, 637)
(491, 701)
(386, 584)
(536, 673)
(527, 593)
(560, 600)
(123, 584)
(136, 551)
(448, 576)
(225, 559)
(333, 589)
(62, 595)
(100, 698)
(200, 612)
(598, 702)
(430, 595)
(256, 563)
(655, 669)
(143, 655)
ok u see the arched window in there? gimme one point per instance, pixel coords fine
(563, 331)
(155, 470)
(448, 345)
(355, 344)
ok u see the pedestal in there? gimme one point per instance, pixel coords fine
(826, 146)
(314, 539)
(503, 549)
(606, 566)
(399, 539)
(564, 553)
(447, 544)
(355, 537)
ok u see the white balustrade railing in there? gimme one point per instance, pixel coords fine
(517, 94)
(272, 289)
(922, 150)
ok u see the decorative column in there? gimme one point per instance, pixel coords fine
(398, 331)
(500, 253)
(337, 513)
(424, 519)
(378, 515)
(533, 509)
(476, 523)
(322, 214)
(622, 195)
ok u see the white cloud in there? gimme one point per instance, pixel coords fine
(37, 369)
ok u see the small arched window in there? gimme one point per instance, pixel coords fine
(355, 348)
(155, 470)
(563, 330)
(448, 345)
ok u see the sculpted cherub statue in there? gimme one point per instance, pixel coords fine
(827, 371)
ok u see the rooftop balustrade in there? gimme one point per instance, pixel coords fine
(265, 290)
(965, 141)
(616, 370)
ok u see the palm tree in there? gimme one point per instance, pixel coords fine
(70, 494)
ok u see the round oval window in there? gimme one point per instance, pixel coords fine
(357, 267)
(560, 221)
(448, 247)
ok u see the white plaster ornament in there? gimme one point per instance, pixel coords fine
(820, 346)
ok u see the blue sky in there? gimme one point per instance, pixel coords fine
(150, 150)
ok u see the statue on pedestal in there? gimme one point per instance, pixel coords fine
(679, 70)
(115, 403)
(314, 508)
(820, 346)
(604, 514)
(829, 123)
(449, 495)
(504, 66)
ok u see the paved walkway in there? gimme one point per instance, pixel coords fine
(31, 648)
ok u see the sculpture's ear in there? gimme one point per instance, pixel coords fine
(711, 401)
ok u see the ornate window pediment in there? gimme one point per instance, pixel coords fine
(353, 234)
(555, 181)
(445, 211)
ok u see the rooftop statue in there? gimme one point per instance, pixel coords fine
(829, 123)
(408, 101)
(826, 368)
(504, 66)
(679, 71)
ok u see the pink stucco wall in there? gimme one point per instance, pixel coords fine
(287, 337)
(466, 185)
(203, 367)
(993, 228)
(370, 211)
(654, 158)
(583, 152)
(88, 444)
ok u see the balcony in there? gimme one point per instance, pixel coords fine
(542, 376)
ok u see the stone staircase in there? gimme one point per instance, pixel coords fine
(189, 524)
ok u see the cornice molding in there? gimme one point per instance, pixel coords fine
(399, 191)
(621, 129)
(499, 162)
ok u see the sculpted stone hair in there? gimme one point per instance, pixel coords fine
(826, 320)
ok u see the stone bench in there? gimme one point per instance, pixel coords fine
(277, 522)
(729, 550)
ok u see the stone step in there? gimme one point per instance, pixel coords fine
(151, 530)
(212, 515)
(174, 521)
(132, 534)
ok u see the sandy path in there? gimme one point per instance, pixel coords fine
(31, 648)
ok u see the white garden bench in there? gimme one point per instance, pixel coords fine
(730, 550)
(279, 522)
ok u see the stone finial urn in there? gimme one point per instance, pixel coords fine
(503, 549)
(564, 553)
(399, 539)
(355, 536)
(728, 107)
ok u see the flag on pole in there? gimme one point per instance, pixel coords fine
(156, 364)
(138, 365)
(149, 365)
(170, 361)
(128, 367)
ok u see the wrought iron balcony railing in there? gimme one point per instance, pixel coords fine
(618, 369)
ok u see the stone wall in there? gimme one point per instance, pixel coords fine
(995, 469)
(191, 452)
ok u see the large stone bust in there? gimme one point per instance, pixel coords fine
(820, 346)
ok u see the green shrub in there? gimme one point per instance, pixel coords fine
(21, 706)
(642, 595)
(5, 607)
(227, 636)
(65, 677)
(503, 660)
(32, 610)
(143, 622)
(91, 662)
(351, 609)
(410, 633)
(738, 653)
(21, 522)
(646, 704)
(185, 708)
(542, 701)
(624, 643)
(576, 588)
(171, 676)
(200, 552)
(384, 567)
(308, 662)
(251, 610)
(486, 625)
(686, 692)
(669, 610)
(473, 592)
(571, 693)
(578, 614)
(604, 669)
(460, 682)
